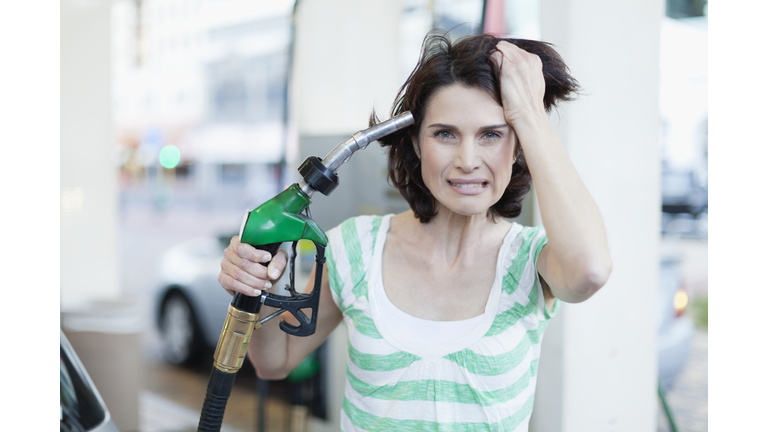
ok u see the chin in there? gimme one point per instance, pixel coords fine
(465, 210)
(477, 205)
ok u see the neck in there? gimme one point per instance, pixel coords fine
(456, 237)
(455, 228)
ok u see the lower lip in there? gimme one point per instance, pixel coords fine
(469, 190)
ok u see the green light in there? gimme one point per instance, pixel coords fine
(170, 156)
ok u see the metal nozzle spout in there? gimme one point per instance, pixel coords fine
(360, 140)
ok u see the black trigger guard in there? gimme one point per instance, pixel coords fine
(294, 305)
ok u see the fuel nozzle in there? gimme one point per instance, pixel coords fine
(320, 175)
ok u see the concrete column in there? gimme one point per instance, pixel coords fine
(347, 59)
(103, 331)
(598, 363)
(89, 264)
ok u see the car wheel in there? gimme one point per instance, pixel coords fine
(181, 336)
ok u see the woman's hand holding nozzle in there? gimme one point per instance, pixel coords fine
(248, 270)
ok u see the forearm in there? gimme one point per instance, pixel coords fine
(575, 261)
(268, 348)
(574, 226)
(274, 353)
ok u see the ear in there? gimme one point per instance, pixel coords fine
(415, 142)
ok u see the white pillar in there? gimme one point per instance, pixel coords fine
(89, 265)
(347, 59)
(598, 364)
(103, 329)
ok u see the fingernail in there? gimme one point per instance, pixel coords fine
(268, 285)
(267, 258)
(256, 292)
(274, 273)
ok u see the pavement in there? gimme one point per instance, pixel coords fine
(689, 396)
(173, 399)
(158, 414)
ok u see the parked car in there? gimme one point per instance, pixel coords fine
(191, 305)
(81, 407)
(675, 329)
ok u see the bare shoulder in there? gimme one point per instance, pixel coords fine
(403, 221)
(403, 230)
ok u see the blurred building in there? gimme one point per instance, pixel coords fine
(208, 77)
(684, 114)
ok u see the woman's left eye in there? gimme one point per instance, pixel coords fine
(491, 135)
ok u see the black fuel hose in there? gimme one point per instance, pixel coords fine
(219, 388)
(221, 381)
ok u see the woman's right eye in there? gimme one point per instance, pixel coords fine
(443, 134)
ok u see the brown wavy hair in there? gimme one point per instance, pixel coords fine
(466, 61)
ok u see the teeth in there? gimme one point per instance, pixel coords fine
(467, 185)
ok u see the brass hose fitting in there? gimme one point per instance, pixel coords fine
(233, 342)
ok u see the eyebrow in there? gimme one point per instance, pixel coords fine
(447, 126)
(498, 126)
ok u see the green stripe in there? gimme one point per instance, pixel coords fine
(443, 391)
(491, 365)
(542, 240)
(533, 296)
(376, 222)
(379, 362)
(363, 323)
(503, 321)
(510, 283)
(355, 257)
(333, 275)
(515, 269)
(368, 421)
(555, 308)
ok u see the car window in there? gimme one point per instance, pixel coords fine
(80, 409)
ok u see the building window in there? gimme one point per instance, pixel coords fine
(686, 8)
(250, 90)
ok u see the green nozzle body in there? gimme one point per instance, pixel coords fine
(279, 220)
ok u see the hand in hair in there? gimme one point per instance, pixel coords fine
(521, 82)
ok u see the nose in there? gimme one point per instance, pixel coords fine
(466, 158)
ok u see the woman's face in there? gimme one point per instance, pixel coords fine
(466, 149)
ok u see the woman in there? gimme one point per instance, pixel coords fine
(446, 304)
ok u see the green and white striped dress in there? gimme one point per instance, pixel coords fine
(482, 380)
